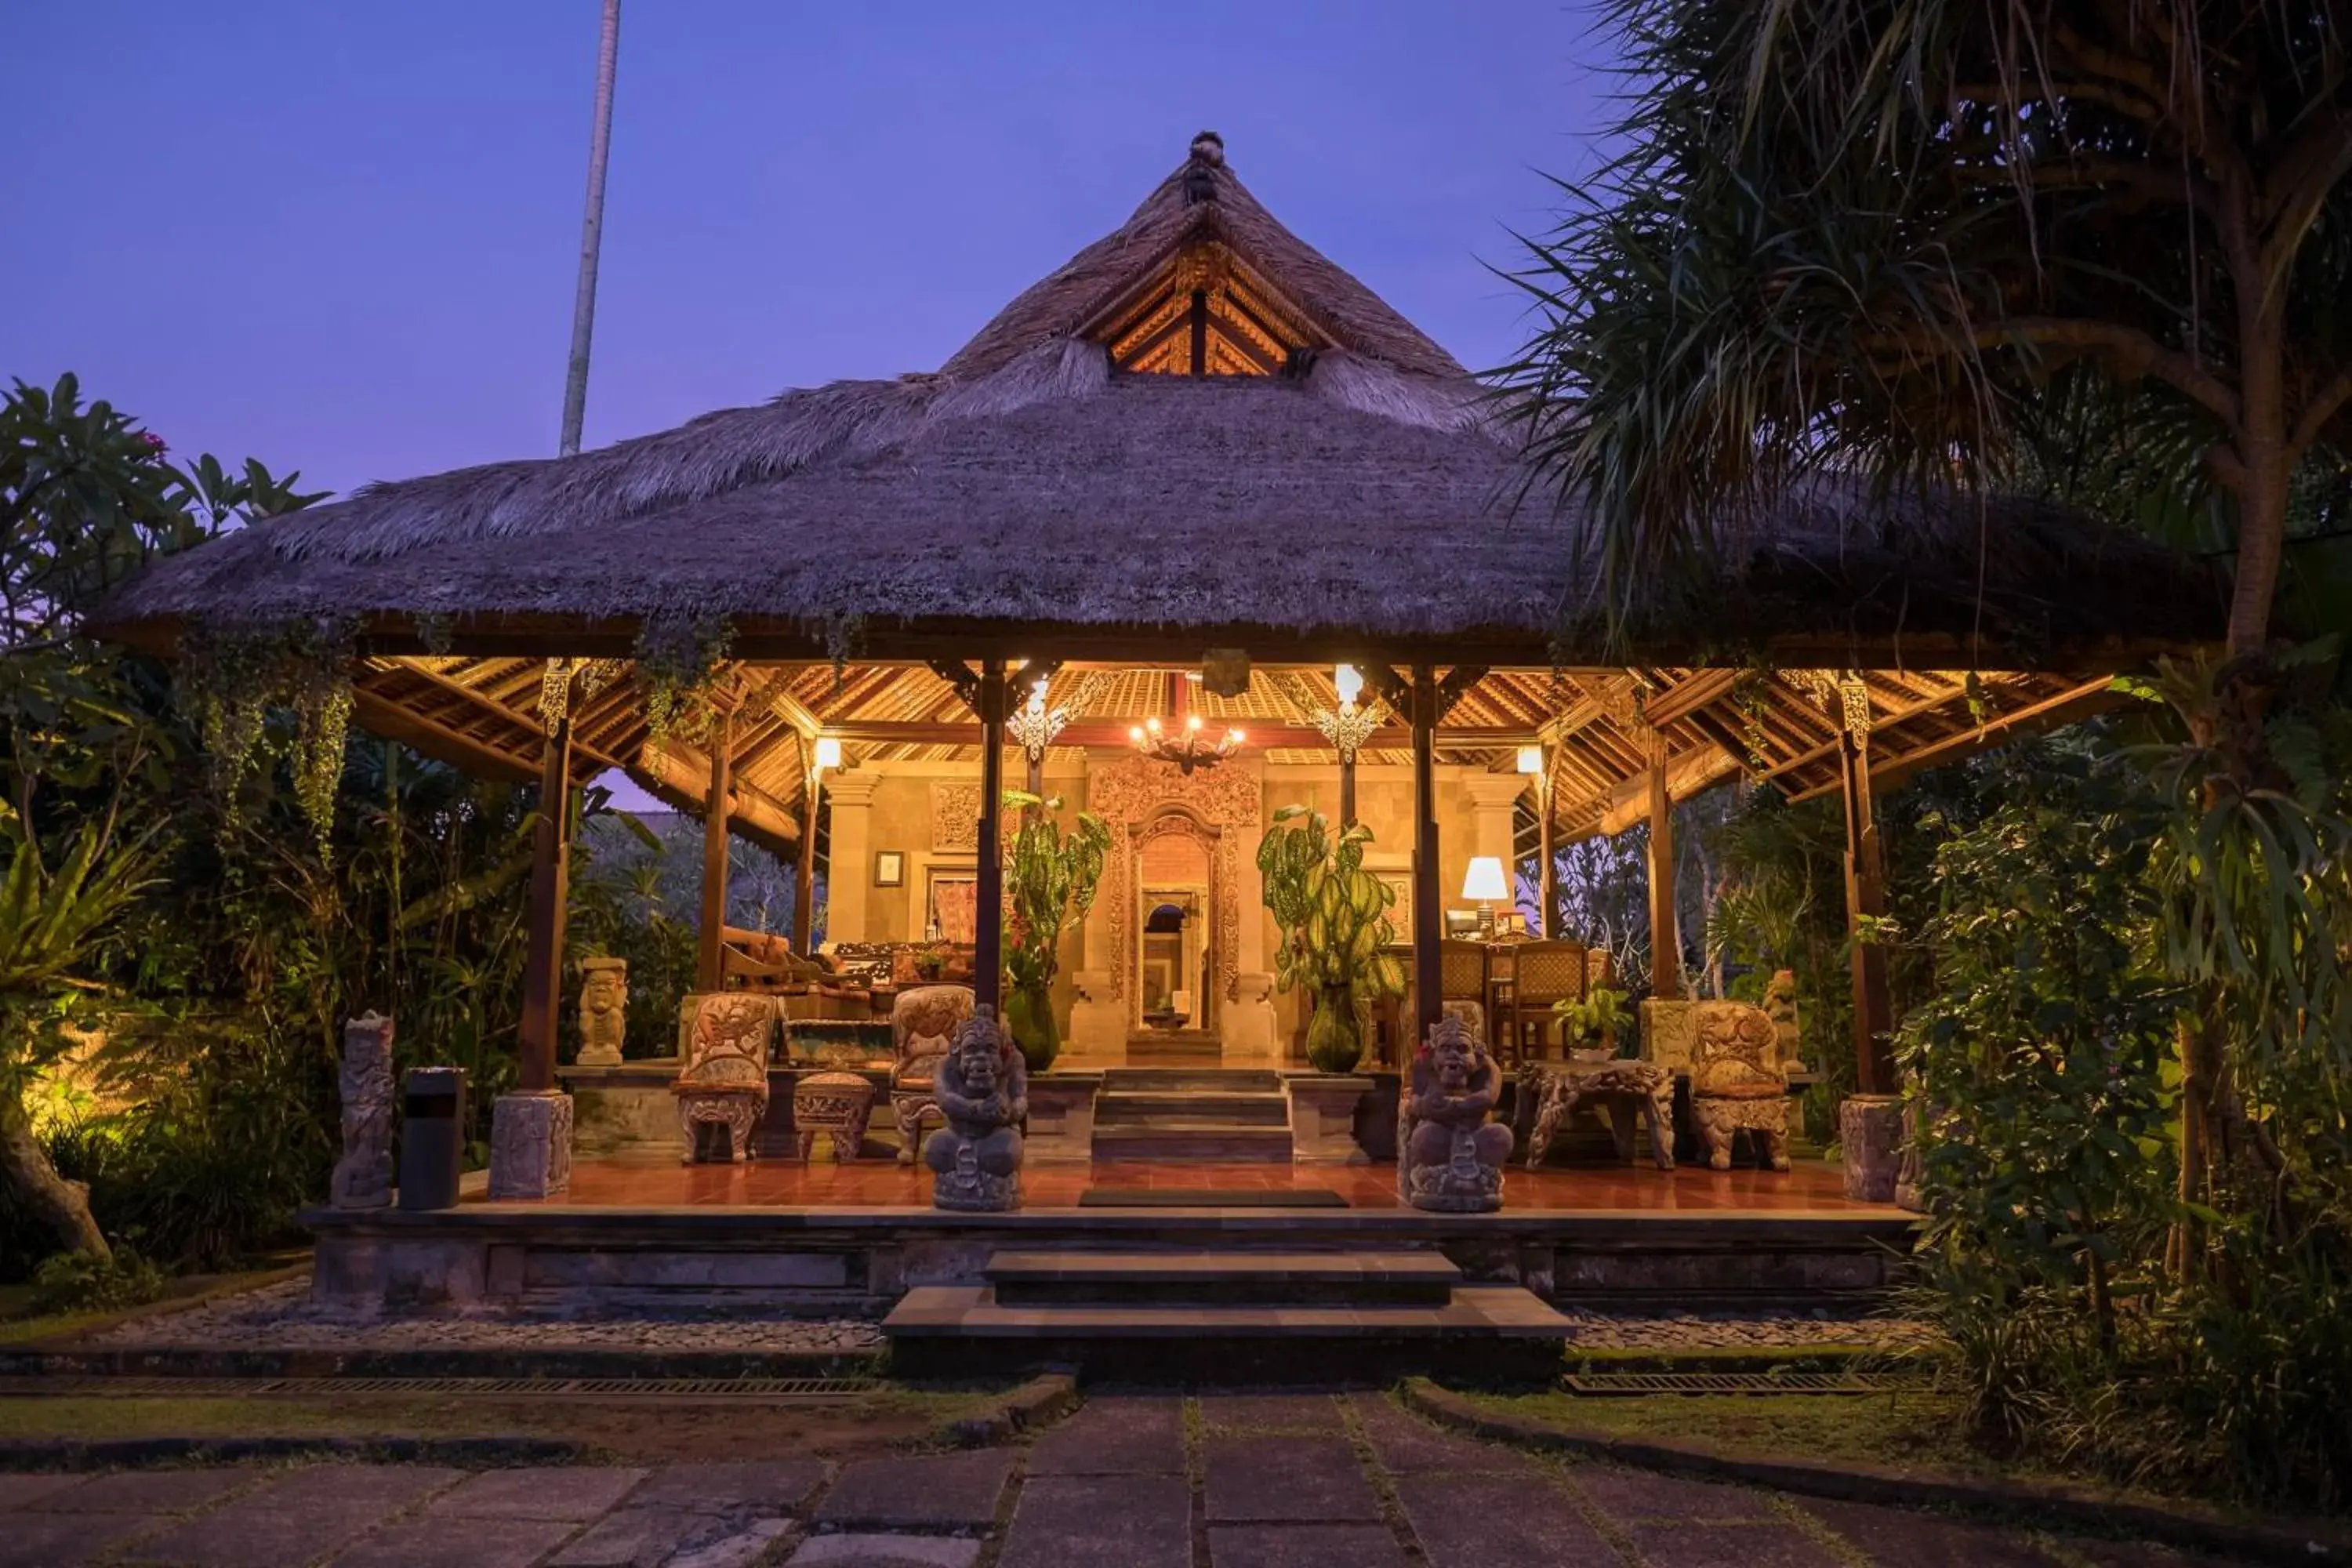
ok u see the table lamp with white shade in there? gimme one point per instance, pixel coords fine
(1486, 883)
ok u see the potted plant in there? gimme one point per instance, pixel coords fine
(1334, 919)
(1049, 886)
(1589, 1025)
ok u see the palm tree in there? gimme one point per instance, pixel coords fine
(591, 232)
(1981, 238)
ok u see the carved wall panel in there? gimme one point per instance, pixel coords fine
(1141, 799)
(955, 816)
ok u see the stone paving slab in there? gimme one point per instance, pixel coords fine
(309, 1513)
(1899, 1536)
(20, 1491)
(1305, 1546)
(1285, 1480)
(886, 1551)
(1406, 1444)
(1272, 1412)
(933, 1491)
(634, 1537)
(739, 1547)
(67, 1540)
(1106, 1521)
(1482, 1521)
(441, 1541)
(1115, 1435)
(781, 1485)
(1730, 1545)
(574, 1492)
(145, 1491)
(1639, 1494)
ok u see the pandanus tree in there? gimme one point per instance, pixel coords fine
(1333, 915)
(1049, 886)
(2102, 247)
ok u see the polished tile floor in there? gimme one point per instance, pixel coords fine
(1812, 1187)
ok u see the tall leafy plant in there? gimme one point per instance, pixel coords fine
(1049, 885)
(1333, 915)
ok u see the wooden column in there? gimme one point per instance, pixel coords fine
(710, 945)
(1428, 896)
(988, 917)
(1665, 935)
(805, 872)
(550, 854)
(1348, 788)
(1548, 872)
(1865, 897)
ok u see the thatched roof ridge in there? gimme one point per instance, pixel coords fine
(1203, 199)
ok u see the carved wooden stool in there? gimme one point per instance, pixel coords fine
(835, 1102)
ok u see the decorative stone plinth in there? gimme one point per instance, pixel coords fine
(1870, 1128)
(622, 1111)
(1669, 1032)
(604, 1010)
(362, 1178)
(1062, 1117)
(1323, 1107)
(983, 1092)
(531, 1145)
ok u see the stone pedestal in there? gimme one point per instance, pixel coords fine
(362, 1177)
(626, 1109)
(531, 1145)
(1870, 1128)
(1062, 1117)
(1323, 1117)
(1252, 1033)
(1098, 1018)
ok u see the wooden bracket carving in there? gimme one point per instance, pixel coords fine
(962, 678)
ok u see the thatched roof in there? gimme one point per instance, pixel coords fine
(1356, 499)
(1318, 480)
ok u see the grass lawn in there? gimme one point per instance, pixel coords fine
(629, 1429)
(1908, 1430)
(20, 1323)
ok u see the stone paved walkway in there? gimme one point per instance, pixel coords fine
(1241, 1480)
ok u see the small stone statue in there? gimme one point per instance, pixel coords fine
(362, 1178)
(604, 1010)
(1780, 1005)
(1452, 1155)
(983, 1092)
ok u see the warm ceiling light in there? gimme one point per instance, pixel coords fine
(1349, 682)
(1191, 720)
(1530, 759)
(828, 752)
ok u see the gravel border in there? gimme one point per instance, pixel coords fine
(135, 1453)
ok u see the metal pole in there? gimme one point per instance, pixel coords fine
(592, 233)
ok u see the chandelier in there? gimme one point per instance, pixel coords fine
(1033, 729)
(1351, 726)
(1187, 747)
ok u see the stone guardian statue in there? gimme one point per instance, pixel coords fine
(604, 1010)
(984, 1093)
(1452, 1155)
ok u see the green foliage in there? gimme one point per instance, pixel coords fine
(1049, 885)
(87, 1282)
(1594, 1016)
(1333, 916)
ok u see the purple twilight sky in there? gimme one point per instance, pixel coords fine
(342, 238)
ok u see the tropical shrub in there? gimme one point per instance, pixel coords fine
(1049, 886)
(1333, 916)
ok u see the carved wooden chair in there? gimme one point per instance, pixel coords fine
(1738, 1079)
(730, 1037)
(1462, 977)
(923, 1021)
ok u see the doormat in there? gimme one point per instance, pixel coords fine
(1210, 1198)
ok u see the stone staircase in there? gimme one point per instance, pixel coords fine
(1198, 1114)
(1201, 1314)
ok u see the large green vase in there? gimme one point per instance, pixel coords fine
(1334, 1036)
(1029, 1014)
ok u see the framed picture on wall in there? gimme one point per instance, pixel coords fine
(890, 868)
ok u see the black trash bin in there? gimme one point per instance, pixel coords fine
(432, 1137)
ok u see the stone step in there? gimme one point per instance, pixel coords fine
(1197, 1141)
(1149, 1107)
(1223, 1279)
(1490, 1330)
(1209, 1081)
